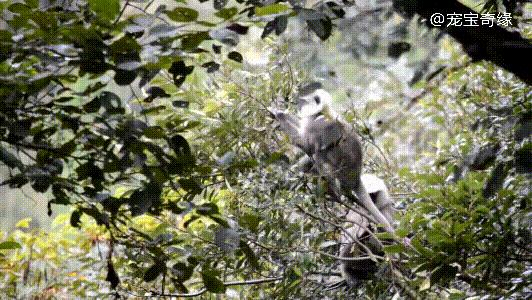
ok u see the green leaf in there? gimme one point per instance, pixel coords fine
(396, 248)
(105, 9)
(19, 8)
(9, 245)
(271, 9)
(154, 132)
(212, 284)
(183, 14)
(250, 221)
(226, 13)
(193, 40)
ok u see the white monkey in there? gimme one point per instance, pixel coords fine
(333, 147)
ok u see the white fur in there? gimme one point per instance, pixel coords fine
(311, 108)
(373, 183)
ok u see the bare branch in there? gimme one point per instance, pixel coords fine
(230, 283)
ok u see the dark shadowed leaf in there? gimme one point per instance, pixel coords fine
(191, 186)
(16, 181)
(321, 27)
(180, 71)
(155, 92)
(219, 4)
(495, 181)
(75, 218)
(207, 209)
(123, 77)
(524, 127)
(142, 200)
(212, 283)
(193, 40)
(154, 271)
(443, 274)
(482, 157)
(336, 9)
(180, 104)
(240, 29)
(235, 56)
(523, 159)
(269, 28)
(395, 49)
(250, 255)
(9, 159)
(154, 132)
(180, 145)
(211, 66)
(182, 271)
(281, 24)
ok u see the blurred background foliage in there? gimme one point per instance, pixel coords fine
(143, 160)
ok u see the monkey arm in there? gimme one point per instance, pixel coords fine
(291, 126)
(306, 165)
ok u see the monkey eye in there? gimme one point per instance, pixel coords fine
(317, 99)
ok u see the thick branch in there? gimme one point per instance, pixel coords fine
(506, 49)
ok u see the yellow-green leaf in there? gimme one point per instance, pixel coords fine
(24, 223)
(105, 9)
(270, 9)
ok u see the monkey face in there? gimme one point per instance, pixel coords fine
(313, 103)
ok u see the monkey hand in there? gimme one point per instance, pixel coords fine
(274, 112)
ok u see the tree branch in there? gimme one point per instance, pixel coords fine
(230, 283)
(506, 49)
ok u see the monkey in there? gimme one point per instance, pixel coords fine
(355, 234)
(332, 145)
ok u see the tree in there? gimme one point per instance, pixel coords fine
(201, 192)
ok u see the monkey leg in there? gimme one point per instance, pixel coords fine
(355, 241)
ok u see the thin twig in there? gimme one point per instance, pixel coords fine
(230, 283)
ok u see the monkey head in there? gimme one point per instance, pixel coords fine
(313, 103)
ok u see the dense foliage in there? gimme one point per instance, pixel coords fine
(150, 123)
